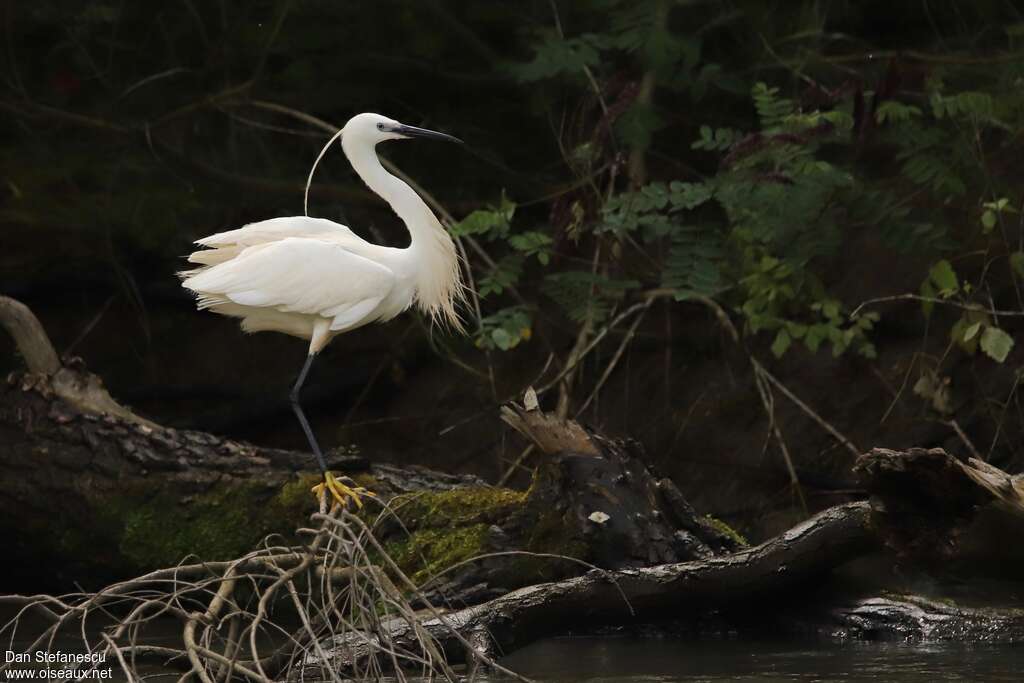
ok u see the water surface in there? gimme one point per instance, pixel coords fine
(632, 659)
(674, 658)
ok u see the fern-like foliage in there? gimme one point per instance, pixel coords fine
(772, 110)
(586, 296)
(694, 263)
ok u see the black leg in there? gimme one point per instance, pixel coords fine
(293, 398)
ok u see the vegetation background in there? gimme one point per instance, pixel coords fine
(758, 237)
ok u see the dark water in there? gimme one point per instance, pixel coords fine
(678, 659)
(643, 660)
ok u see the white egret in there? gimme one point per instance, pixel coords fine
(315, 279)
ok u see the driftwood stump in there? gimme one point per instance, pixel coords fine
(943, 514)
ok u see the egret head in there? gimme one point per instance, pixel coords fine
(374, 128)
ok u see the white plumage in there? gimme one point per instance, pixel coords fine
(313, 278)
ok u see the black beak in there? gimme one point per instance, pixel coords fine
(414, 132)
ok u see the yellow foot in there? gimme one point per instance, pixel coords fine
(340, 491)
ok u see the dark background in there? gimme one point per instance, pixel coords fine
(131, 129)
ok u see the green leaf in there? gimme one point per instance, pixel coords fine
(831, 310)
(944, 277)
(481, 222)
(896, 111)
(584, 295)
(781, 343)
(558, 56)
(1017, 262)
(505, 329)
(491, 223)
(988, 221)
(815, 335)
(688, 195)
(971, 331)
(796, 330)
(958, 335)
(637, 124)
(502, 339)
(532, 244)
(996, 343)
(505, 274)
(928, 293)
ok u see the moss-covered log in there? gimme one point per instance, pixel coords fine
(91, 497)
(95, 496)
(98, 496)
(94, 492)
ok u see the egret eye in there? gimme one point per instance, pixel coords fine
(380, 126)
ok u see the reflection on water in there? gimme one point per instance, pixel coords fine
(640, 660)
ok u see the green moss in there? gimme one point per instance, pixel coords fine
(457, 507)
(425, 552)
(295, 500)
(366, 480)
(548, 533)
(226, 522)
(448, 527)
(721, 526)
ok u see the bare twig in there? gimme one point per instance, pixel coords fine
(810, 412)
(764, 391)
(626, 339)
(329, 586)
(932, 300)
(964, 438)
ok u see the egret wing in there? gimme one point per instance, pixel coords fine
(298, 275)
(225, 246)
(276, 229)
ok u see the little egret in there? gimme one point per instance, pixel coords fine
(313, 278)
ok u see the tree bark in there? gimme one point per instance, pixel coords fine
(800, 556)
(921, 619)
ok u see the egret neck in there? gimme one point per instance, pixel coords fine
(432, 252)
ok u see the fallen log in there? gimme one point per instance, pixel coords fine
(916, 618)
(797, 557)
(93, 492)
(926, 505)
(943, 514)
